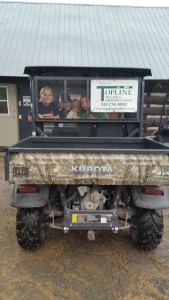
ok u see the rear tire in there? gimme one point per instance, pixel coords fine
(147, 229)
(30, 232)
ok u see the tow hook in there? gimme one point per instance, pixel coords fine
(91, 235)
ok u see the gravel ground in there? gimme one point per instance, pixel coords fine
(68, 267)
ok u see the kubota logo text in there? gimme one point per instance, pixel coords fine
(91, 169)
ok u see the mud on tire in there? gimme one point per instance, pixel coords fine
(147, 229)
(29, 230)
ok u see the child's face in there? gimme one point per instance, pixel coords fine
(75, 106)
(47, 97)
(68, 106)
(84, 103)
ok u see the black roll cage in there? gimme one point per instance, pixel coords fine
(126, 127)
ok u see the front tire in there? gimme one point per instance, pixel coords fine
(30, 232)
(147, 228)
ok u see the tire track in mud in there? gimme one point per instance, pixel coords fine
(93, 265)
(119, 262)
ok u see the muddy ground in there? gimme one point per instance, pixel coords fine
(68, 267)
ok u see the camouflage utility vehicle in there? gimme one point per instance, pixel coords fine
(94, 172)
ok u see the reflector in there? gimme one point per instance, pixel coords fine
(153, 191)
(27, 189)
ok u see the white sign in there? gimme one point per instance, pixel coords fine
(26, 101)
(117, 95)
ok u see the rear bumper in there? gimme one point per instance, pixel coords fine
(90, 220)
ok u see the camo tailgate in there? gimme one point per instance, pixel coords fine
(89, 168)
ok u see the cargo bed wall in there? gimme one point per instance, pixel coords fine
(119, 162)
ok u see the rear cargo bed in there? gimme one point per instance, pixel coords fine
(85, 161)
(88, 144)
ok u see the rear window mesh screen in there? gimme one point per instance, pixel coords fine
(64, 92)
(66, 95)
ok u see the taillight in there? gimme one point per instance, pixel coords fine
(27, 189)
(153, 191)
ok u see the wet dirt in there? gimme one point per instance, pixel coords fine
(68, 267)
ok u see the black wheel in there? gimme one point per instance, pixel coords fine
(29, 229)
(147, 228)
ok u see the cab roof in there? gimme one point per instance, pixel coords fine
(86, 71)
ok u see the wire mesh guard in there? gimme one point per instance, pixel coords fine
(68, 99)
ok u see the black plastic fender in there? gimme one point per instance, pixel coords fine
(29, 200)
(150, 201)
